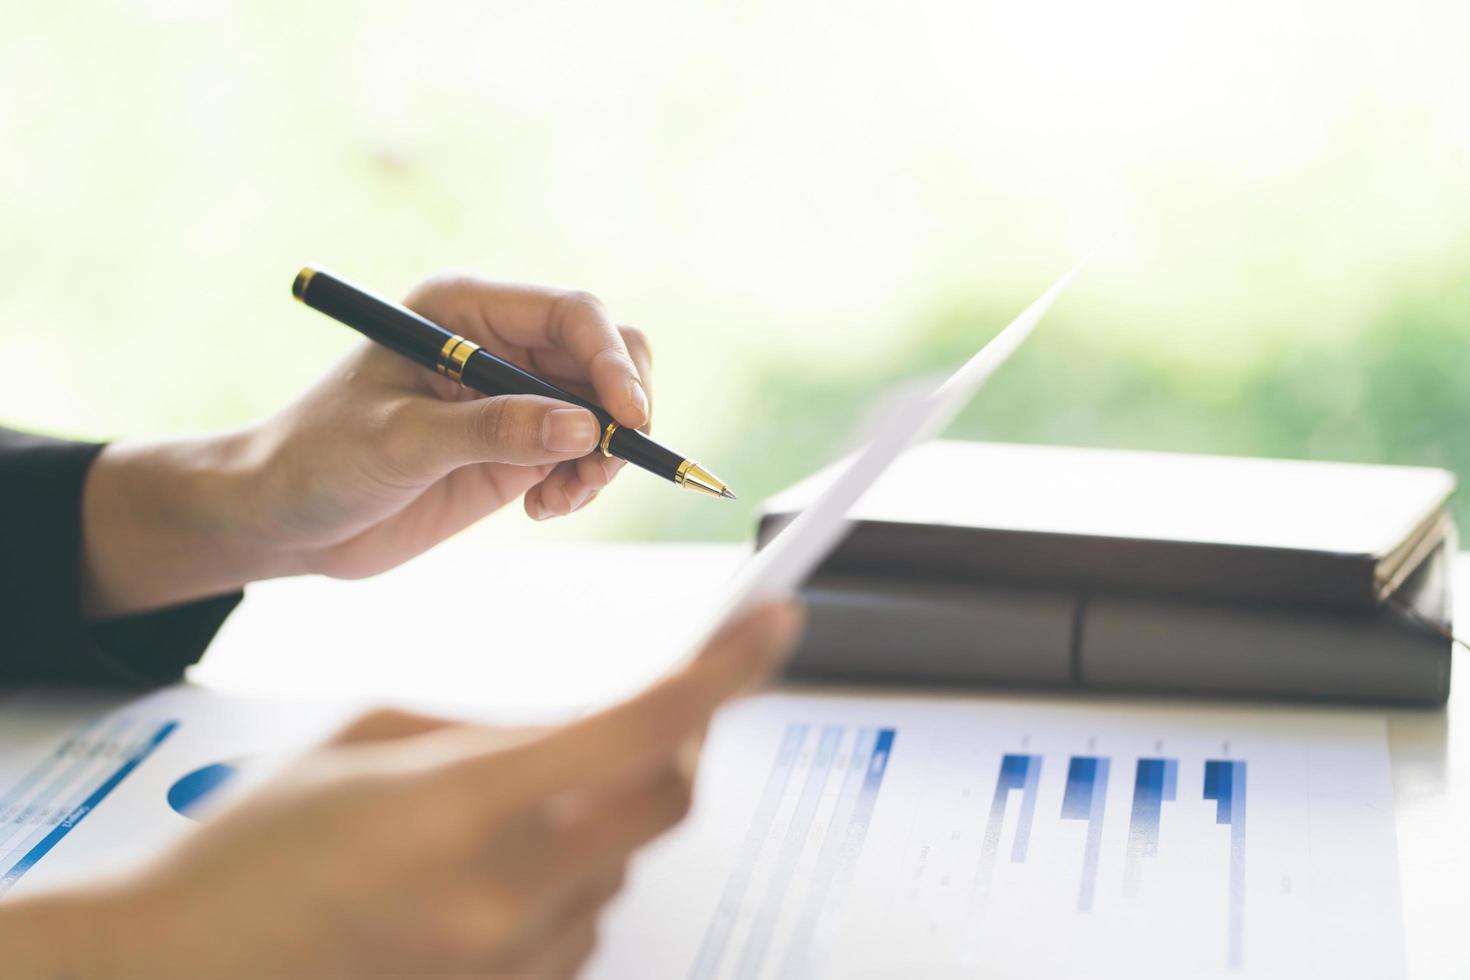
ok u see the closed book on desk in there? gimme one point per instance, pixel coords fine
(933, 610)
(1277, 530)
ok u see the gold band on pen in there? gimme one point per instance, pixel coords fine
(453, 355)
(445, 351)
(682, 472)
(607, 435)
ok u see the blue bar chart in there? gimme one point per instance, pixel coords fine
(1019, 774)
(808, 827)
(885, 837)
(838, 770)
(1085, 798)
(1155, 781)
(712, 951)
(1225, 784)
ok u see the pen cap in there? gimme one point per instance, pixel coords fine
(389, 324)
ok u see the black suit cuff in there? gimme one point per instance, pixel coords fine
(49, 639)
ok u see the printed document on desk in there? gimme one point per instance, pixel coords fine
(91, 784)
(935, 837)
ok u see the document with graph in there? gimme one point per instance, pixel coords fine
(927, 837)
(92, 783)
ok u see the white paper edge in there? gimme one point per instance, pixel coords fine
(778, 570)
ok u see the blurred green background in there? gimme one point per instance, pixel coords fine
(798, 201)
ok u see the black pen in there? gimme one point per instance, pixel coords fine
(425, 342)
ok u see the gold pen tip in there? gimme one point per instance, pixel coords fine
(692, 476)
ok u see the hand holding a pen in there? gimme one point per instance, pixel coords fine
(436, 456)
(379, 461)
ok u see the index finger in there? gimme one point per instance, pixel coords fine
(571, 321)
(648, 727)
(579, 324)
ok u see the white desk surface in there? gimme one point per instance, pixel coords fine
(540, 631)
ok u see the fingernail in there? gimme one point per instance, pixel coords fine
(581, 497)
(569, 430)
(640, 398)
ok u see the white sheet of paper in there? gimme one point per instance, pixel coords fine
(945, 837)
(836, 836)
(778, 569)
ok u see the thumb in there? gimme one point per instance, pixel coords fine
(525, 430)
(601, 748)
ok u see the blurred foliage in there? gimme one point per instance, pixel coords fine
(800, 201)
(1399, 392)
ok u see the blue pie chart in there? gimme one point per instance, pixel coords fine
(188, 795)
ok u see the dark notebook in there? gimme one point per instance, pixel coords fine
(1083, 570)
(1276, 530)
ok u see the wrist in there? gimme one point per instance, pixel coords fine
(232, 484)
(170, 522)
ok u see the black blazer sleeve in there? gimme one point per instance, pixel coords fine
(43, 636)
